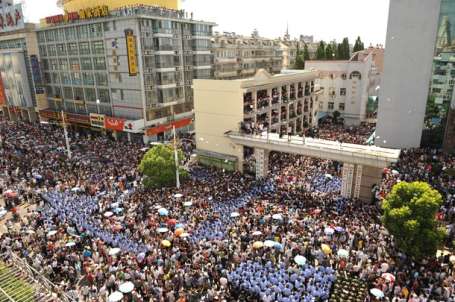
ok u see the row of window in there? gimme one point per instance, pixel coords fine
(75, 64)
(77, 93)
(72, 49)
(77, 78)
(331, 106)
(71, 33)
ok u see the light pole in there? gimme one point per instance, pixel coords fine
(66, 136)
(98, 106)
(176, 158)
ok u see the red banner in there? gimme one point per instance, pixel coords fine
(77, 118)
(167, 127)
(113, 123)
(2, 93)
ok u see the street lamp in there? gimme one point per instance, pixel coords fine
(98, 106)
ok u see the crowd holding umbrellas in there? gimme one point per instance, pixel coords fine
(100, 236)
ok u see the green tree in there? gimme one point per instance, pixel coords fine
(329, 53)
(299, 59)
(306, 53)
(358, 46)
(336, 116)
(339, 52)
(409, 215)
(346, 52)
(320, 52)
(158, 167)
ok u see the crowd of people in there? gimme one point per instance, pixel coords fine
(100, 236)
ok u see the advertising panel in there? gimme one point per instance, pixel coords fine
(2, 93)
(167, 127)
(131, 52)
(113, 123)
(97, 120)
(11, 18)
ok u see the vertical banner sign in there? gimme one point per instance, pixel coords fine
(2, 93)
(131, 50)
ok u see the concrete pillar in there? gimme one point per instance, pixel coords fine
(262, 162)
(370, 176)
(347, 180)
(129, 137)
(115, 135)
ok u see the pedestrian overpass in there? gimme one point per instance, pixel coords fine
(362, 165)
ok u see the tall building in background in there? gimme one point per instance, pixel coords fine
(240, 57)
(124, 69)
(21, 88)
(407, 72)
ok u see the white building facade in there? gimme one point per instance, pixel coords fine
(347, 85)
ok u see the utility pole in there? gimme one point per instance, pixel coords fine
(176, 157)
(66, 136)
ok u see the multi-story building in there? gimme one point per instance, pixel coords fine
(240, 57)
(443, 79)
(285, 103)
(124, 68)
(407, 70)
(291, 47)
(348, 85)
(20, 76)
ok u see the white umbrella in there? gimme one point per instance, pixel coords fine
(184, 235)
(187, 204)
(162, 230)
(343, 253)
(115, 297)
(178, 195)
(388, 277)
(300, 260)
(70, 244)
(108, 214)
(3, 213)
(269, 243)
(328, 176)
(76, 189)
(377, 293)
(395, 172)
(114, 251)
(52, 233)
(329, 231)
(235, 214)
(126, 287)
(257, 233)
(277, 216)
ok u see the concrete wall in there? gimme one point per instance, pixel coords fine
(411, 37)
(218, 107)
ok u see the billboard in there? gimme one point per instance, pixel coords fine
(113, 123)
(11, 18)
(131, 50)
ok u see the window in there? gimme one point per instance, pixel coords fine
(54, 64)
(84, 48)
(66, 78)
(96, 30)
(52, 52)
(88, 78)
(55, 79)
(82, 32)
(61, 50)
(99, 63)
(90, 95)
(74, 64)
(101, 79)
(64, 64)
(98, 48)
(355, 75)
(342, 91)
(50, 36)
(331, 105)
(72, 49)
(103, 95)
(86, 64)
(344, 76)
(68, 93)
(78, 94)
(71, 34)
(43, 51)
(321, 106)
(341, 106)
(76, 78)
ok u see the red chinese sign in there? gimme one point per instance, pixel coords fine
(167, 127)
(2, 93)
(113, 123)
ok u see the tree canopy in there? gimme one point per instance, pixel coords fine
(320, 52)
(358, 46)
(158, 167)
(410, 216)
(299, 59)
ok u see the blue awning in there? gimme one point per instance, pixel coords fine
(322, 115)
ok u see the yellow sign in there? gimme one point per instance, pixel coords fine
(82, 14)
(76, 5)
(131, 50)
(97, 120)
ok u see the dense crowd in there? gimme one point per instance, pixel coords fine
(345, 134)
(100, 236)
